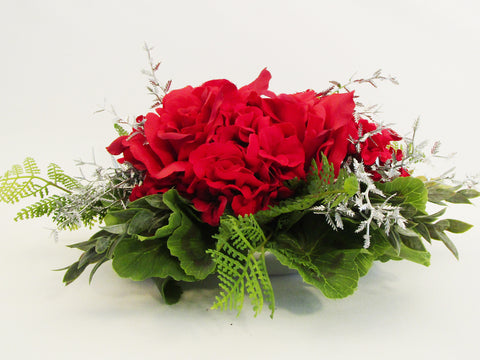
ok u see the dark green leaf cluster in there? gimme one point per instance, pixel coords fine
(157, 236)
(413, 195)
(161, 237)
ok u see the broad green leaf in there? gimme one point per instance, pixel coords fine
(140, 222)
(171, 200)
(189, 243)
(419, 257)
(116, 217)
(116, 229)
(364, 262)
(335, 273)
(140, 260)
(150, 201)
(170, 290)
(411, 189)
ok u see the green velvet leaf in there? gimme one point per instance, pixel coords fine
(189, 243)
(170, 290)
(140, 260)
(335, 273)
(115, 217)
(411, 189)
(188, 240)
(419, 257)
(364, 262)
(140, 222)
(151, 202)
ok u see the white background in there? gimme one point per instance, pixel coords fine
(61, 60)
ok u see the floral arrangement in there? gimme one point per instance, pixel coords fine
(216, 177)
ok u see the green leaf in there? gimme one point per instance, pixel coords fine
(140, 222)
(419, 257)
(395, 240)
(430, 218)
(189, 243)
(73, 272)
(116, 229)
(351, 185)
(140, 260)
(423, 231)
(448, 243)
(438, 193)
(115, 217)
(414, 243)
(457, 226)
(335, 273)
(458, 198)
(103, 243)
(189, 240)
(412, 190)
(364, 262)
(95, 268)
(469, 193)
(436, 232)
(170, 290)
(150, 201)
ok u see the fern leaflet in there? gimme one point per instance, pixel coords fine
(120, 130)
(322, 186)
(25, 181)
(58, 176)
(240, 259)
(43, 207)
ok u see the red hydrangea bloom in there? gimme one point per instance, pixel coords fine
(226, 147)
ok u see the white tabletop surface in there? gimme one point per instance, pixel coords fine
(61, 60)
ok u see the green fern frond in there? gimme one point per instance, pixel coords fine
(240, 259)
(30, 166)
(120, 130)
(44, 207)
(25, 181)
(322, 186)
(58, 176)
